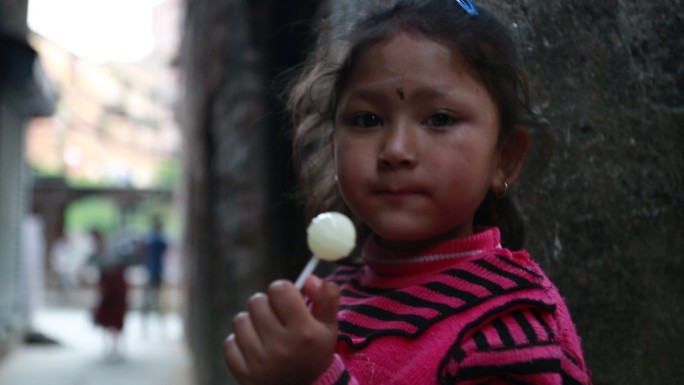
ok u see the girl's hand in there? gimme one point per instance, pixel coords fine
(279, 340)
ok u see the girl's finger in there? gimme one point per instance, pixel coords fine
(288, 304)
(234, 358)
(246, 337)
(265, 322)
(325, 298)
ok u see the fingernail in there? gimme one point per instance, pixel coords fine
(239, 316)
(315, 282)
(256, 295)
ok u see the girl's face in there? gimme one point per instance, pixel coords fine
(415, 141)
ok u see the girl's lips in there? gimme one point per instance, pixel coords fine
(401, 190)
(398, 195)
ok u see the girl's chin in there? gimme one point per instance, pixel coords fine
(407, 240)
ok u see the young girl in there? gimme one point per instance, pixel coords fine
(420, 126)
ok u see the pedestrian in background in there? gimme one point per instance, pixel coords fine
(155, 247)
(110, 311)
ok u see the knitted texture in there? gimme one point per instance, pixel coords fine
(464, 311)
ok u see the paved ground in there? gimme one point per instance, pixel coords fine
(154, 355)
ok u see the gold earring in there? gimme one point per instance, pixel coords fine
(505, 191)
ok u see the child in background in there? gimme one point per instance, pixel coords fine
(417, 128)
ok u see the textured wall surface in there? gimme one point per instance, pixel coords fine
(223, 181)
(240, 228)
(604, 218)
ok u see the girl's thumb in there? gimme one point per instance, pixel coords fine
(325, 300)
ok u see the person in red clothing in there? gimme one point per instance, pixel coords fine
(112, 304)
(417, 127)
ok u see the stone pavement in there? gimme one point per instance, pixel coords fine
(154, 355)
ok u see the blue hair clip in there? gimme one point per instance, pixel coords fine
(468, 6)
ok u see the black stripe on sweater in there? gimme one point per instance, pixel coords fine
(504, 334)
(525, 326)
(370, 291)
(538, 366)
(413, 301)
(481, 341)
(358, 330)
(343, 379)
(514, 381)
(571, 358)
(404, 298)
(451, 291)
(472, 278)
(384, 315)
(352, 294)
(527, 270)
(471, 327)
(549, 332)
(569, 380)
(521, 281)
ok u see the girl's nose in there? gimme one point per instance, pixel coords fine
(399, 147)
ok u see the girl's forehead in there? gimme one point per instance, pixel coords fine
(403, 60)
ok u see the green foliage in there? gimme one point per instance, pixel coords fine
(42, 171)
(141, 218)
(104, 214)
(88, 213)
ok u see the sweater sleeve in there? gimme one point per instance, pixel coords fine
(336, 374)
(521, 346)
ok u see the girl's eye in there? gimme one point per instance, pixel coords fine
(366, 120)
(440, 119)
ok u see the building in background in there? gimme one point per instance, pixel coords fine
(114, 123)
(96, 122)
(24, 94)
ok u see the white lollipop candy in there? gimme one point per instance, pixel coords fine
(330, 236)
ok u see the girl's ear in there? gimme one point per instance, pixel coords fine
(512, 152)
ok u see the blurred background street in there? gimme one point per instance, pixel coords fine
(152, 352)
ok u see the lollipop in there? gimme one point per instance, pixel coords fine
(330, 236)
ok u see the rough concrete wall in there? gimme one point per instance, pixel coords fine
(241, 229)
(604, 217)
(224, 171)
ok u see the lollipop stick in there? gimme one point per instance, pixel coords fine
(308, 269)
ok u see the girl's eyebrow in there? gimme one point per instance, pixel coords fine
(421, 93)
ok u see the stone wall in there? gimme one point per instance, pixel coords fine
(605, 215)
(240, 229)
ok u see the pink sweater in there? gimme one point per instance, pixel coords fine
(465, 311)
